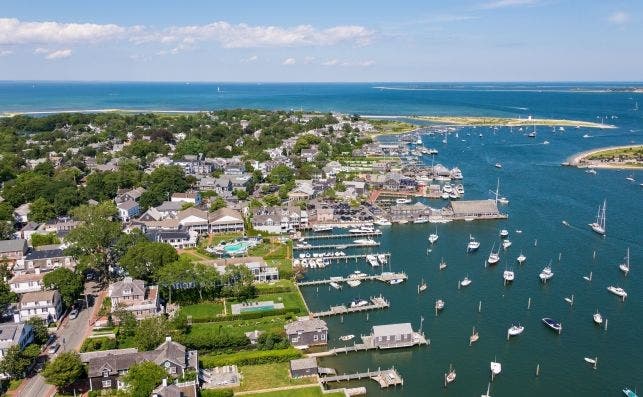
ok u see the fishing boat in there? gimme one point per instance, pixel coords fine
(625, 266)
(618, 291)
(359, 302)
(599, 225)
(433, 237)
(421, 219)
(515, 330)
(629, 393)
(443, 264)
(465, 281)
(508, 275)
(521, 258)
(506, 243)
(403, 201)
(335, 285)
(495, 367)
(494, 257)
(365, 242)
(382, 258)
(474, 336)
(322, 228)
(598, 319)
(473, 245)
(546, 274)
(382, 222)
(504, 233)
(553, 324)
(346, 337)
(450, 376)
(372, 260)
(439, 304)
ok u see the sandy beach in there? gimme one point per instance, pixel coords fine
(577, 160)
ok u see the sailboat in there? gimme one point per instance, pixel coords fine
(496, 368)
(433, 237)
(494, 257)
(592, 361)
(422, 287)
(515, 330)
(588, 278)
(501, 200)
(598, 319)
(450, 376)
(521, 258)
(473, 244)
(474, 336)
(465, 281)
(625, 267)
(533, 133)
(508, 275)
(443, 264)
(599, 225)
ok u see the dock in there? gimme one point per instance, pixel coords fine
(418, 339)
(346, 258)
(385, 378)
(377, 302)
(375, 233)
(384, 277)
(334, 246)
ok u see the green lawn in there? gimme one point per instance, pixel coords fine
(291, 300)
(275, 284)
(313, 391)
(217, 238)
(268, 376)
(204, 310)
(272, 323)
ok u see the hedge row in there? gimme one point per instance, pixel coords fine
(273, 290)
(217, 393)
(246, 316)
(252, 357)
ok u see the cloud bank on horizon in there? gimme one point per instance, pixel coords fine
(466, 40)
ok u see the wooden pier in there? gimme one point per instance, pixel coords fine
(418, 339)
(335, 246)
(385, 378)
(377, 302)
(376, 233)
(384, 277)
(346, 258)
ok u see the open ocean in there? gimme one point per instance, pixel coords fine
(542, 194)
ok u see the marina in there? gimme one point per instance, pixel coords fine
(372, 243)
(385, 277)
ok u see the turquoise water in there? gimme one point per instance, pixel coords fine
(236, 248)
(542, 194)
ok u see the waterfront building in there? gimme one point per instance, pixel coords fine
(392, 335)
(307, 332)
(303, 367)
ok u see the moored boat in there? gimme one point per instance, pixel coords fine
(599, 225)
(473, 245)
(346, 337)
(553, 324)
(508, 275)
(465, 281)
(495, 367)
(618, 291)
(439, 304)
(598, 319)
(546, 274)
(521, 258)
(515, 330)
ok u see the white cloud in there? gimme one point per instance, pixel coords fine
(337, 62)
(250, 59)
(53, 54)
(331, 62)
(14, 31)
(619, 18)
(289, 61)
(5, 53)
(507, 3)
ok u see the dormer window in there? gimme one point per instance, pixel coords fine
(105, 373)
(127, 291)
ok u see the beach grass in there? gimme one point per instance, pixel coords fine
(390, 127)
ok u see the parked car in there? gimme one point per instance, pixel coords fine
(53, 348)
(52, 337)
(73, 314)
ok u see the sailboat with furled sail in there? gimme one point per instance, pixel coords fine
(599, 225)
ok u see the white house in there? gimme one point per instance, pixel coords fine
(44, 304)
(128, 209)
(12, 334)
(188, 197)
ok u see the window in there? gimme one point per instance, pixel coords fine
(315, 337)
(105, 373)
(323, 336)
(398, 338)
(107, 383)
(295, 339)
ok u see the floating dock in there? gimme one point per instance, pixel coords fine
(384, 277)
(377, 302)
(418, 339)
(343, 235)
(385, 378)
(335, 246)
(346, 258)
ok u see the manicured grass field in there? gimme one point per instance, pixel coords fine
(267, 376)
(204, 310)
(313, 391)
(291, 300)
(272, 323)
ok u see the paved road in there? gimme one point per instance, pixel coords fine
(72, 333)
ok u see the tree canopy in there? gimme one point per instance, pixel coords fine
(68, 283)
(144, 259)
(143, 377)
(64, 370)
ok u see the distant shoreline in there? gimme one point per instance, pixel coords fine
(509, 122)
(579, 160)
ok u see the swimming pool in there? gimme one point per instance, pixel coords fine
(236, 248)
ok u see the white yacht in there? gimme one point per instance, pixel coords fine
(521, 258)
(382, 222)
(353, 283)
(494, 257)
(504, 233)
(447, 188)
(322, 228)
(625, 266)
(439, 304)
(599, 225)
(372, 260)
(382, 259)
(368, 242)
(515, 330)
(598, 319)
(403, 201)
(362, 229)
(618, 291)
(433, 237)
(421, 219)
(506, 243)
(496, 368)
(473, 245)
(508, 275)
(335, 285)
(465, 281)
(546, 274)
(359, 303)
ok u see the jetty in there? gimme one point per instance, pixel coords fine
(377, 302)
(334, 246)
(374, 233)
(384, 277)
(385, 378)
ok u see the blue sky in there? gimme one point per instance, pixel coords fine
(475, 40)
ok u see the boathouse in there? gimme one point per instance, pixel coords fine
(477, 209)
(392, 335)
(307, 332)
(303, 367)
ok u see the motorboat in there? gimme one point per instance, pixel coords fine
(473, 245)
(396, 281)
(359, 302)
(322, 228)
(353, 283)
(465, 281)
(553, 324)
(439, 304)
(598, 319)
(545, 142)
(494, 257)
(433, 237)
(459, 189)
(365, 242)
(515, 330)
(372, 260)
(618, 291)
(421, 219)
(506, 243)
(447, 188)
(521, 258)
(403, 201)
(450, 376)
(546, 274)
(498, 165)
(402, 221)
(443, 264)
(335, 285)
(423, 286)
(629, 393)
(504, 233)
(496, 368)
(625, 266)
(362, 229)
(508, 275)
(592, 361)
(346, 338)
(382, 222)
(382, 258)
(445, 196)
(599, 225)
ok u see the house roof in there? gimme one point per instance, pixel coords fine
(23, 278)
(127, 205)
(13, 245)
(86, 357)
(303, 363)
(44, 254)
(137, 286)
(10, 333)
(160, 235)
(392, 329)
(471, 206)
(225, 215)
(307, 325)
(192, 211)
(38, 296)
(169, 206)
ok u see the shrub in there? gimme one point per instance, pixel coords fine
(217, 393)
(252, 357)
(98, 344)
